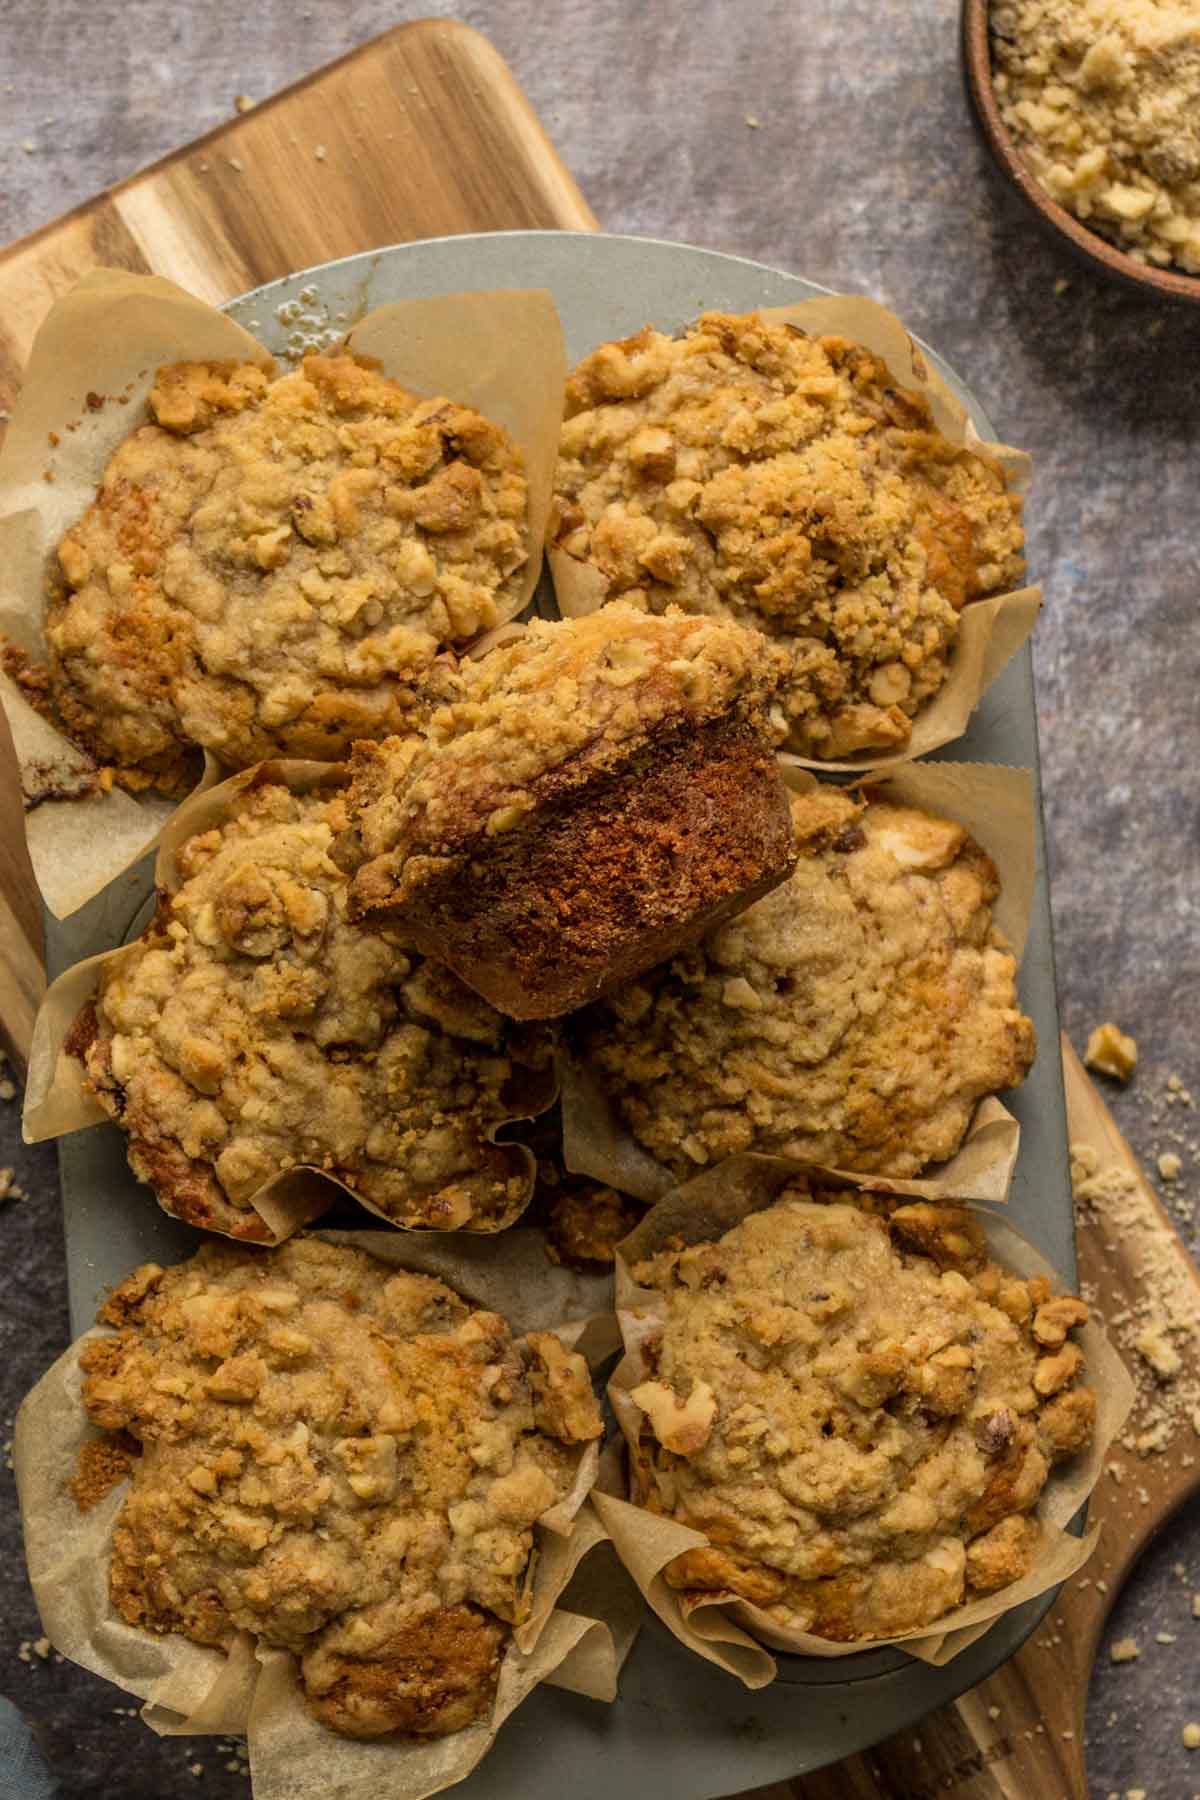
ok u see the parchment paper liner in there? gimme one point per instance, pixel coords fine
(499, 351)
(58, 1100)
(996, 806)
(731, 1632)
(990, 631)
(188, 1689)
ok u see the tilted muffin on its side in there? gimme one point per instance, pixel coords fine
(341, 1457)
(854, 1017)
(597, 794)
(254, 1028)
(859, 1409)
(748, 470)
(271, 567)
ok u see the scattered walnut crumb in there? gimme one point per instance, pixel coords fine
(242, 103)
(1191, 1735)
(1163, 1358)
(320, 152)
(752, 122)
(236, 164)
(1111, 1052)
(1158, 1329)
(993, 1712)
(1125, 1650)
(1169, 1166)
(10, 1189)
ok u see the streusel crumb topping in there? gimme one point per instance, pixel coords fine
(852, 1017)
(254, 1027)
(341, 1457)
(859, 1408)
(566, 699)
(271, 566)
(750, 471)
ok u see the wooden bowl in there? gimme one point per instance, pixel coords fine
(1168, 284)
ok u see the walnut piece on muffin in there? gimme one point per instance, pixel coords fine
(750, 471)
(341, 1457)
(254, 1028)
(596, 795)
(854, 1017)
(858, 1407)
(271, 567)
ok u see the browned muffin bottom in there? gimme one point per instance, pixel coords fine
(254, 1028)
(598, 794)
(859, 1408)
(854, 1017)
(749, 471)
(272, 566)
(343, 1458)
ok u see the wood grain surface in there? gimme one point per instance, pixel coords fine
(1019, 1735)
(421, 133)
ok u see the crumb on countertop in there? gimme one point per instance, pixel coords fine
(1111, 1052)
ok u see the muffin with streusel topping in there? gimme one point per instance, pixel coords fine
(854, 1017)
(272, 566)
(747, 470)
(858, 1407)
(595, 796)
(343, 1458)
(254, 1029)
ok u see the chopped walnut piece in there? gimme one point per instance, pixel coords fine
(563, 1401)
(1111, 1052)
(682, 1426)
(1055, 1318)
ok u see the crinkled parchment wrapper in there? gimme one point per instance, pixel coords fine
(990, 631)
(731, 1632)
(499, 351)
(58, 1099)
(188, 1689)
(996, 805)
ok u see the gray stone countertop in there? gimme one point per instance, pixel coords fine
(832, 140)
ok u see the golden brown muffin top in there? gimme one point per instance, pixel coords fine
(254, 1027)
(339, 1456)
(564, 701)
(859, 1408)
(852, 1017)
(749, 471)
(271, 566)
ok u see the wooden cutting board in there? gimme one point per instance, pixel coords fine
(421, 133)
(1019, 1735)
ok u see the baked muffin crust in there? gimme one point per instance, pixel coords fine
(853, 1017)
(341, 1457)
(749, 471)
(254, 1028)
(271, 566)
(859, 1408)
